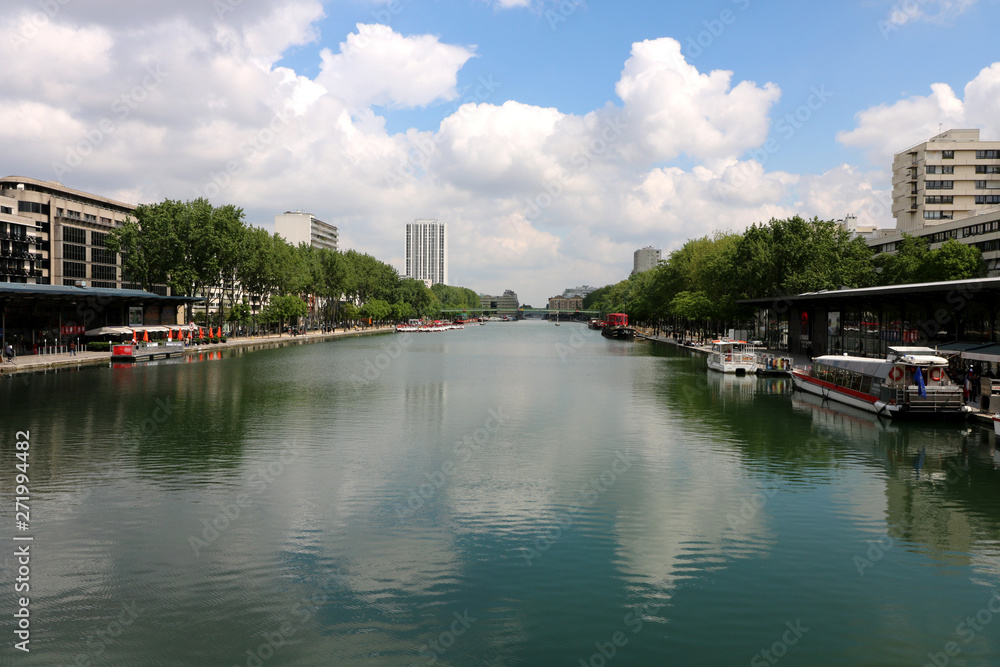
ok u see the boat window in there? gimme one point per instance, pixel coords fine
(839, 376)
(866, 384)
(855, 381)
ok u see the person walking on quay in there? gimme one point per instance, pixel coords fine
(9, 353)
(72, 348)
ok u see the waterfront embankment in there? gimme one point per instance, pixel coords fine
(45, 362)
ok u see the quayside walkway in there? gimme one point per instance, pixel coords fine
(42, 362)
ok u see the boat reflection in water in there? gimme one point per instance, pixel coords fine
(941, 491)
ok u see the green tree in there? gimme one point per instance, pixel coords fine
(285, 308)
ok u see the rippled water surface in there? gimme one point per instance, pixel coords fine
(509, 494)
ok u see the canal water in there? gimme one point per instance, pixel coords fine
(509, 494)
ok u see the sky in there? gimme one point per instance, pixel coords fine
(554, 138)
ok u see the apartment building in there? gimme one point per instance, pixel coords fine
(953, 175)
(645, 259)
(426, 252)
(299, 227)
(54, 235)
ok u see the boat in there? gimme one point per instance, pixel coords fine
(911, 382)
(732, 356)
(595, 323)
(770, 364)
(616, 326)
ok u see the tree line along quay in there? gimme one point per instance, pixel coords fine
(197, 249)
(699, 286)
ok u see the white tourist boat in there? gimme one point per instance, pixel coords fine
(732, 356)
(909, 382)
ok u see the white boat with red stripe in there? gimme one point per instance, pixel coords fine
(911, 382)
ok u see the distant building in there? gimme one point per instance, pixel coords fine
(850, 225)
(426, 252)
(566, 303)
(299, 227)
(952, 176)
(645, 259)
(54, 235)
(583, 291)
(504, 305)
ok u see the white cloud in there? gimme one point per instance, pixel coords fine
(378, 66)
(672, 108)
(933, 11)
(887, 129)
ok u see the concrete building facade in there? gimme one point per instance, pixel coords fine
(645, 259)
(953, 175)
(54, 235)
(564, 303)
(300, 227)
(504, 305)
(426, 252)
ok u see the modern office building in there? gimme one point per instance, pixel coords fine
(645, 259)
(582, 291)
(298, 227)
(54, 235)
(504, 305)
(426, 252)
(953, 175)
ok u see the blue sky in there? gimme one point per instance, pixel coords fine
(504, 118)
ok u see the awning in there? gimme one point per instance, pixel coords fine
(110, 331)
(984, 353)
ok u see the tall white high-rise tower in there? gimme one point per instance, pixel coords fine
(426, 252)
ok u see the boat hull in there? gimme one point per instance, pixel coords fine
(868, 402)
(618, 333)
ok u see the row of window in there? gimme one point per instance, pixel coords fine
(939, 199)
(934, 169)
(32, 207)
(843, 378)
(939, 215)
(939, 185)
(987, 169)
(988, 155)
(988, 199)
(97, 271)
(988, 185)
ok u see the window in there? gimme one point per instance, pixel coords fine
(987, 169)
(104, 273)
(950, 169)
(97, 239)
(74, 235)
(948, 155)
(6, 209)
(939, 199)
(988, 155)
(102, 256)
(931, 169)
(89, 218)
(938, 215)
(74, 270)
(76, 253)
(939, 185)
(32, 207)
(988, 199)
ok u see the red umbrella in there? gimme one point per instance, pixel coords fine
(220, 332)
(145, 336)
(134, 341)
(201, 334)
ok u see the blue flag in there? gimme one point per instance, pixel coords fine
(920, 383)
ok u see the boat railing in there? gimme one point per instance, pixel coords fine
(937, 398)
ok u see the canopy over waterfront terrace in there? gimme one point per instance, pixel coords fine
(868, 320)
(34, 317)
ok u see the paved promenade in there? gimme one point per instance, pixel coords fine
(41, 362)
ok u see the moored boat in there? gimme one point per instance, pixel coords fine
(732, 356)
(910, 382)
(616, 326)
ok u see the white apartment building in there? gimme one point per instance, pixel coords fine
(300, 227)
(952, 176)
(426, 252)
(645, 259)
